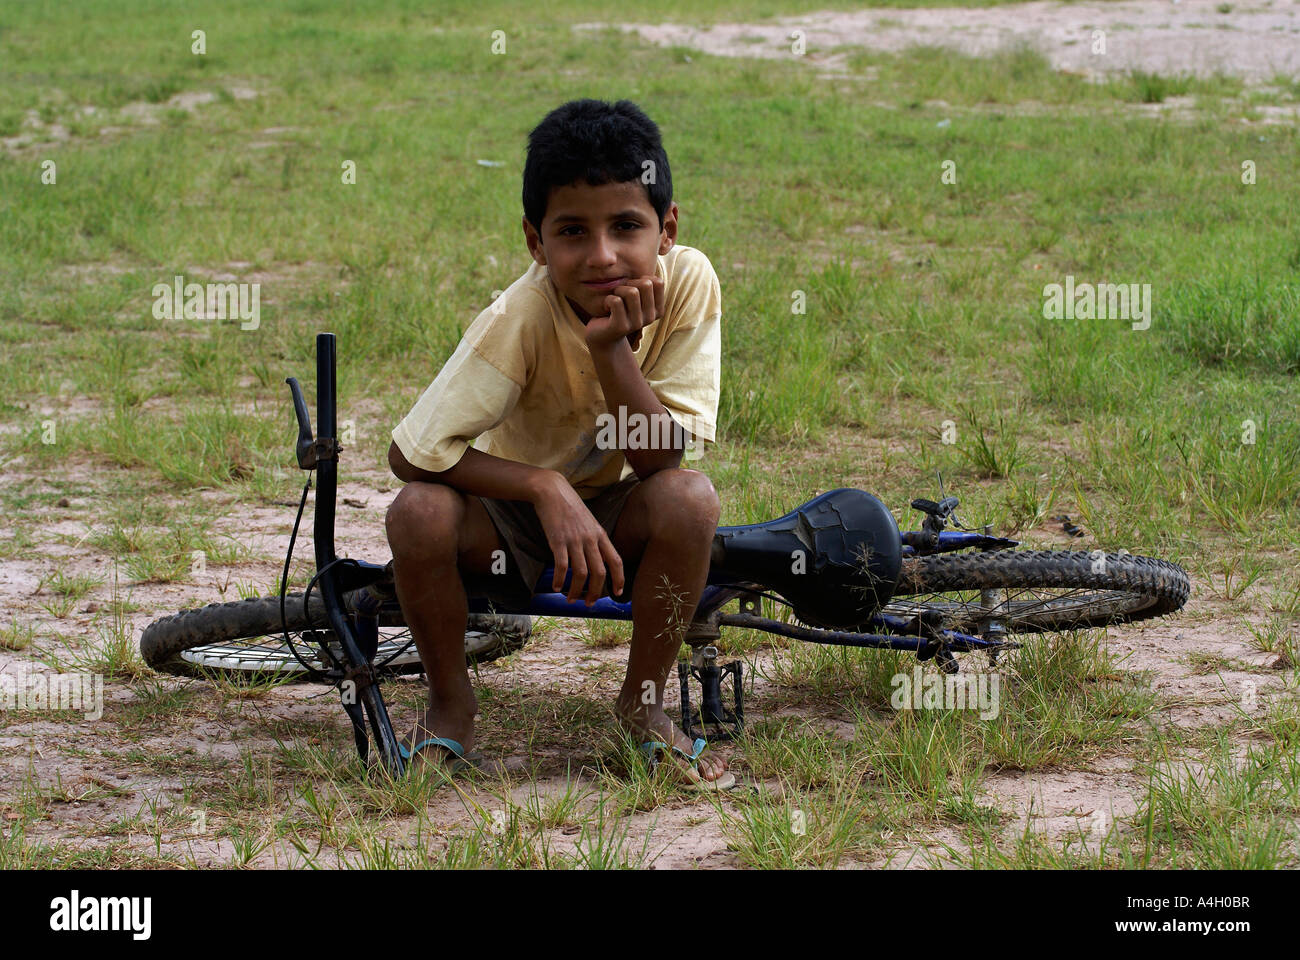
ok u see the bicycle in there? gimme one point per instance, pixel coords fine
(839, 562)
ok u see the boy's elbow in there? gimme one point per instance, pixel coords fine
(408, 472)
(398, 463)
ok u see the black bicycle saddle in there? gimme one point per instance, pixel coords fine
(836, 559)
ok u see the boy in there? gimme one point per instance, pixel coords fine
(613, 325)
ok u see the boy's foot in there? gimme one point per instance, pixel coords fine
(688, 764)
(434, 755)
(658, 727)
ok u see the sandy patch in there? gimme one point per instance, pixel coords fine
(1254, 41)
(36, 132)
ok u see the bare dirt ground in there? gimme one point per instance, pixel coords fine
(1253, 40)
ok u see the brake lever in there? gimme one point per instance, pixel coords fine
(937, 515)
(309, 450)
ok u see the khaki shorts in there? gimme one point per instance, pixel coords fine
(528, 553)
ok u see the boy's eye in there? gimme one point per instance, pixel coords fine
(573, 229)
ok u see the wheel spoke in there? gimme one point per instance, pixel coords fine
(1022, 606)
(271, 653)
(248, 637)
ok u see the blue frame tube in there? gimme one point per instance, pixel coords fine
(721, 587)
(720, 590)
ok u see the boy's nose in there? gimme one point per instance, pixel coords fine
(602, 252)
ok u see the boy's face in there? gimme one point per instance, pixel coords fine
(610, 232)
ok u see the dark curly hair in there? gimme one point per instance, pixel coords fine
(597, 142)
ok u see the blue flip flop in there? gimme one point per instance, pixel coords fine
(457, 765)
(690, 770)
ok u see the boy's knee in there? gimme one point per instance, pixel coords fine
(425, 517)
(683, 502)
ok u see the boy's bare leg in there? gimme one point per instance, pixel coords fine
(669, 520)
(435, 531)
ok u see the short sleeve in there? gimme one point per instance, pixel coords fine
(687, 374)
(468, 397)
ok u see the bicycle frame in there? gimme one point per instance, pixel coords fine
(337, 577)
(721, 588)
(358, 683)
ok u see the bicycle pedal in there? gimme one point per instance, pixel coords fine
(713, 720)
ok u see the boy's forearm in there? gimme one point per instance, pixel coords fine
(483, 475)
(625, 386)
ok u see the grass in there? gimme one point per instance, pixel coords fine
(560, 809)
(1220, 811)
(1156, 88)
(159, 701)
(67, 590)
(1226, 812)
(155, 545)
(17, 636)
(993, 452)
(823, 829)
(1229, 577)
(497, 834)
(1243, 320)
(603, 634)
(867, 304)
(111, 653)
(1277, 636)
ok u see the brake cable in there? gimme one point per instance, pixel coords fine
(284, 586)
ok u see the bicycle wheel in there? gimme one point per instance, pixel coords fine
(1038, 590)
(245, 637)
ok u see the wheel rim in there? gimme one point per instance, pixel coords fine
(271, 654)
(1024, 609)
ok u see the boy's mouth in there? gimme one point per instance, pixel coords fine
(603, 284)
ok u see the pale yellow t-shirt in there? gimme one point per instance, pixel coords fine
(521, 384)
